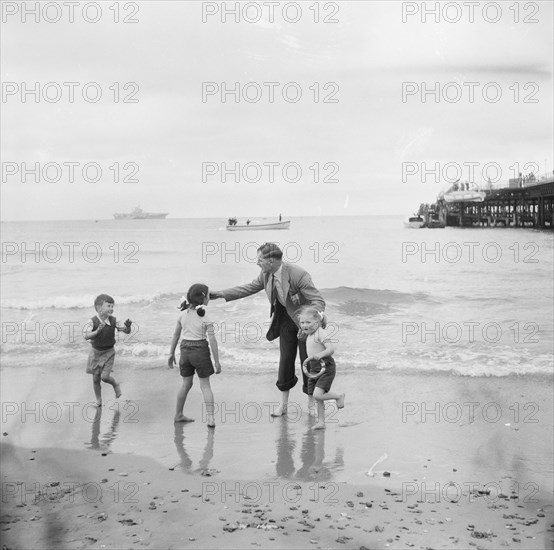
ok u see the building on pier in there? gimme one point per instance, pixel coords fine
(531, 205)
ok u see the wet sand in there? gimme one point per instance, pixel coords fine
(454, 462)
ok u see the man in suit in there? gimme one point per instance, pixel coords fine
(288, 287)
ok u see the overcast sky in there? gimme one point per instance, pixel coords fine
(360, 141)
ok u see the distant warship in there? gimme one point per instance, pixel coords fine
(139, 214)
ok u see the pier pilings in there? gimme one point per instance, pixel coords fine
(531, 206)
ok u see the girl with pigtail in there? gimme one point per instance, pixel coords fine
(193, 326)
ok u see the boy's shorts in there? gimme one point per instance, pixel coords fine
(195, 357)
(326, 379)
(100, 361)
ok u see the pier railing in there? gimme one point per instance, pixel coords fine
(523, 203)
(522, 181)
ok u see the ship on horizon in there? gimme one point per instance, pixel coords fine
(139, 214)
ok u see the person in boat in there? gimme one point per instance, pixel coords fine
(247, 222)
(288, 287)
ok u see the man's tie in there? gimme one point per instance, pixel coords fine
(273, 294)
(273, 290)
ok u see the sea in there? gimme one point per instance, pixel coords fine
(464, 301)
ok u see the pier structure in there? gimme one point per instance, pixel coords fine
(530, 206)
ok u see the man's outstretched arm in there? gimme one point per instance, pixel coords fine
(238, 292)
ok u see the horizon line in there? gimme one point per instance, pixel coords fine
(195, 218)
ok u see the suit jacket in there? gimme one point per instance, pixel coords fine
(297, 285)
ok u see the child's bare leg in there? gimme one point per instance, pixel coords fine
(320, 413)
(97, 388)
(320, 396)
(181, 398)
(338, 397)
(109, 379)
(208, 400)
(282, 410)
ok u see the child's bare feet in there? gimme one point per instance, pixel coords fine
(281, 411)
(210, 420)
(312, 412)
(319, 426)
(99, 403)
(183, 418)
(117, 389)
(340, 401)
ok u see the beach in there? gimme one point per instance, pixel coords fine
(129, 477)
(153, 148)
(445, 440)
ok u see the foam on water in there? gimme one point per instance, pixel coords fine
(81, 301)
(371, 293)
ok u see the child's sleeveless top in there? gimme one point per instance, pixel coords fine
(105, 339)
(193, 326)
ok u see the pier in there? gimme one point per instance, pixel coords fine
(513, 206)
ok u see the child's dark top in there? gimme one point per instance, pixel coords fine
(105, 339)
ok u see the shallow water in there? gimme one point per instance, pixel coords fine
(470, 301)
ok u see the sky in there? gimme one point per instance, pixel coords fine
(357, 141)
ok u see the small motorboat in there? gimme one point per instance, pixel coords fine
(414, 222)
(256, 225)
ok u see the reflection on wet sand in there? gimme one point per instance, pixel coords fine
(312, 455)
(285, 448)
(103, 443)
(186, 463)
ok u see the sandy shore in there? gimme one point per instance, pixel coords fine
(73, 499)
(455, 463)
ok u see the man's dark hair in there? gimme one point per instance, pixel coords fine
(270, 250)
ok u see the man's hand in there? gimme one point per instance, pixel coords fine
(217, 367)
(171, 361)
(128, 323)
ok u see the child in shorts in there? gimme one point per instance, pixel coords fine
(100, 330)
(319, 366)
(193, 325)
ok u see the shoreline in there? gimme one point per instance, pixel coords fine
(449, 419)
(434, 475)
